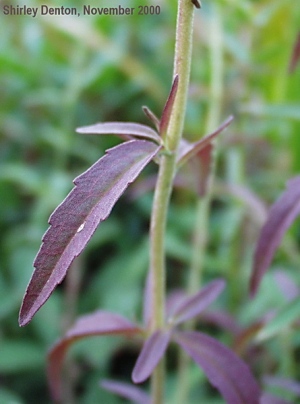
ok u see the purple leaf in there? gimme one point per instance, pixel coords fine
(284, 383)
(174, 300)
(224, 369)
(188, 150)
(280, 217)
(193, 305)
(295, 55)
(77, 217)
(286, 284)
(267, 398)
(125, 130)
(132, 393)
(221, 319)
(165, 117)
(98, 323)
(153, 350)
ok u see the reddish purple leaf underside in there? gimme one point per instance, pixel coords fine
(280, 217)
(224, 369)
(74, 221)
(132, 393)
(98, 323)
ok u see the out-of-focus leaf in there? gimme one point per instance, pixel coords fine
(125, 130)
(98, 323)
(257, 209)
(165, 117)
(77, 217)
(281, 216)
(8, 397)
(205, 158)
(224, 369)
(277, 111)
(153, 350)
(286, 284)
(295, 55)
(221, 319)
(281, 321)
(193, 305)
(132, 393)
(188, 150)
(17, 356)
(267, 398)
(284, 383)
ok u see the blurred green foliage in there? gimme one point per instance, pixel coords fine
(57, 73)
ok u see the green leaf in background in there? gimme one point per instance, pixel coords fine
(19, 356)
(282, 321)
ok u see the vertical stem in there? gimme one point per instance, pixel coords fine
(182, 63)
(203, 205)
(214, 107)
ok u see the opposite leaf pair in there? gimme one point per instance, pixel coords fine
(224, 369)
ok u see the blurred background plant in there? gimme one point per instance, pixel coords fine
(58, 73)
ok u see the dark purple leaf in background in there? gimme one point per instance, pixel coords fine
(152, 352)
(77, 217)
(224, 369)
(98, 323)
(295, 55)
(125, 130)
(125, 390)
(193, 305)
(188, 150)
(221, 319)
(205, 158)
(280, 217)
(165, 117)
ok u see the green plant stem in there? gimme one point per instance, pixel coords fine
(213, 118)
(182, 63)
(200, 236)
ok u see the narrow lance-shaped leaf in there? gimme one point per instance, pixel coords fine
(165, 117)
(224, 369)
(194, 305)
(152, 352)
(98, 323)
(75, 220)
(125, 130)
(188, 150)
(132, 393)
(281, 216)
